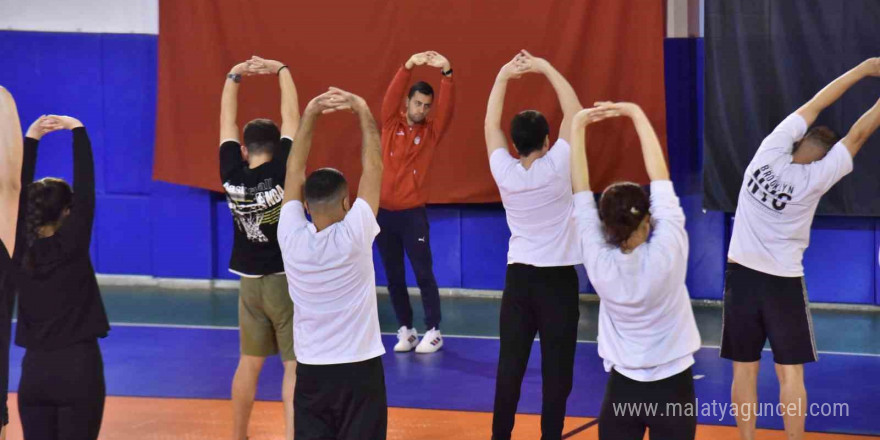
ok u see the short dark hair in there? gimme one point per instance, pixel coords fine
(528, 129)
(622, 209)
(324, 186)
(421, 87)
(261, 136)
(821, 136)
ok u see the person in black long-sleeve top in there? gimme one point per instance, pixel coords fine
(10, 186)
(60, 311)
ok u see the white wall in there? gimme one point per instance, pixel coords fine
(95, 16)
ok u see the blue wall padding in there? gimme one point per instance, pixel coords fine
(123, 235)
(181, 231)
(484, 241)
(875, 262)
(145, 228)
(839, 262)
(684, 87)
(60, 74)
(223, 235)
(128, 67)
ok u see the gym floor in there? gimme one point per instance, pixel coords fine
(170, 358)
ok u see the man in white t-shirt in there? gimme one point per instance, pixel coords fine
(340, 391)
(541, 286)
(765, 295)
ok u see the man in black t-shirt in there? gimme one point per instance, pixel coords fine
(253, 178)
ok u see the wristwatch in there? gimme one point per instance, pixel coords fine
(235, 77)
(446, 73)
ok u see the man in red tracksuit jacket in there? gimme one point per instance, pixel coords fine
(408, 142)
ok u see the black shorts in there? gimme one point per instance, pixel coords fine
(758, 306)
(341, 401)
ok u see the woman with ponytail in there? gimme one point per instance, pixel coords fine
(60, 311)
(635, 249)
(10, 186)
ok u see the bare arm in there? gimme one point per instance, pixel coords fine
(862, 129)
(10, 168)
(229, 105)
(834, 90)
(568, 99)
(370, 185)
(495, 139)
(289, 99)
(652, 152)
(296, 162)
(580, 173)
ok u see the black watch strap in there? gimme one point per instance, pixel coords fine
(235, 77)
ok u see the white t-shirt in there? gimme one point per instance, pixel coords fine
(332, 284)
(539, 207)
(771, 228)
(647, 330)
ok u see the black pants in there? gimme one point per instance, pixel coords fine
(674, 413)
(61, 392)
(408, 230)
(541, 300)
(340, 402)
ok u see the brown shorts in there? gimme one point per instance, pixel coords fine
(265, 317)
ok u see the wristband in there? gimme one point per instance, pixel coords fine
(281, 68)
(446, 73)
(235, 77)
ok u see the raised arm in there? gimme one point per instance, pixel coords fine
(580, 174)
(834, 90)
(82, 213)
(862, 129)
(446, 99)
(10, 168)
(302, 143)
(652, 152)
(370, 185)
(495, 139)
(229, 103)
(289, 100)
(568, 99)
(397, 89)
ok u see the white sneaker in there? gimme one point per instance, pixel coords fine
(432, 342)
(407, 339)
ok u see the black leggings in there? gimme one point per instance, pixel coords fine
(665, 407)
(61, 392)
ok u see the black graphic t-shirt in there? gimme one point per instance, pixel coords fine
(254, 197)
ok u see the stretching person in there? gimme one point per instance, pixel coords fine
(10, 187)
(541, 287)
(60, 310)
(408, 142)
(329, 264)
(647, 330)
(253, 177)
(765, 295)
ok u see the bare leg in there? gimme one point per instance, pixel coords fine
(244, 388)
(793, 397)
(744, 394)
(287, 387)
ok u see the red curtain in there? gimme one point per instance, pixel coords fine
(608, 50)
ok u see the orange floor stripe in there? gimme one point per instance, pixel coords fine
(127, 418)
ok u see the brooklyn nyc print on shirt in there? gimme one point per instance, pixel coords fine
(766, 189)
(254, 206)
